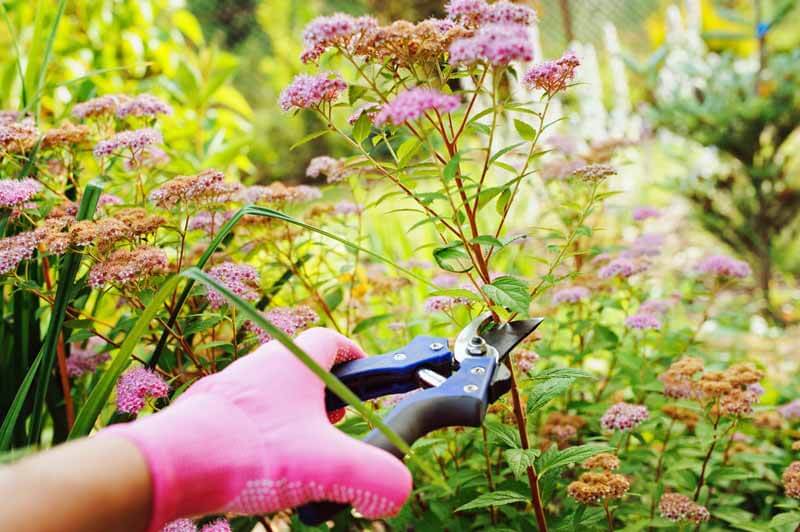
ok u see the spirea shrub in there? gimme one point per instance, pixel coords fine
(460, 192)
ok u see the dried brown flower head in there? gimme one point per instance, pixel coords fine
(591, 488)
(606, 461)
(791, 480)
(66, 135)
(743, 374)
(683, 415)
(770, 419)
(714, 384)
(677, 507)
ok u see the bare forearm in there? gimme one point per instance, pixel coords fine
(90, 485)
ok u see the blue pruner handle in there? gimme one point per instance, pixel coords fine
(393, 372)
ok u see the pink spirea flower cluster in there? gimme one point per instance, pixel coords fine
(143, 105)
(149, 157)
(552, 76)
(85, 359)
(338, 29)
(525, 359)
(642, 321)
(102, 105)
(15, 249)
(645, 212)
(496, 44)
(480, 12)
(413, 103)
(790, 410)
(444, 303)
(624, 416)
(724, 266)
(676, 507)
(210, 222)
(290, 320)
(15, 192)
(107, 200)
(241, 279)
(646, 245)
(332, 169)
(369, 108)
(124, 266)
(571, 294)
(307, 91)
(137, 385)
(207, 186)
(134, 140)
(218, 525)
(620, 267)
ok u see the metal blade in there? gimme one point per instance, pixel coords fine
(507, 336)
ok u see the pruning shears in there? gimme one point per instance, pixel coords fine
(455, 386)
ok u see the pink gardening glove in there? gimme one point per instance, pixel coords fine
(255, 438)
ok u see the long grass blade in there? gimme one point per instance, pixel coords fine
(91, 409)
(15, 40)
(68, 270)
(225, 230)
(7, 429)
(36, 79)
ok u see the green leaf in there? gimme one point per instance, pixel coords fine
(452, 258)
(510, 293)
(89, 412)
(487, 240)
(504, 433)
(362, 128)
(570, 455)
(334, 297)
(495, 498)
(308, 138)
(370, 322)
(502, 202)
(544, 392)
(503, 151)
(355, 92)
(784, 519)
(521, 459)
(65, 292)
(457, 292)
(451, 168)
(563, 373)
(407, 150)
(526, 131)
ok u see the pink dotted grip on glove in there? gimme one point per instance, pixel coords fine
(255, 438)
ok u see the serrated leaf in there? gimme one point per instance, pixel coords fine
(547, 390)
(526, 131)
(355, 92)
(570, 455)
(521, 459)
(495, 498)
(562, 373)
(504, 433)
(510, 293)
(487, 240)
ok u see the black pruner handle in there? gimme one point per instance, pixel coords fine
(460, 401)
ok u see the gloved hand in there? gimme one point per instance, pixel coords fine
(255, 438)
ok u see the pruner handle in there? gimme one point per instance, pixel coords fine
(461, 400)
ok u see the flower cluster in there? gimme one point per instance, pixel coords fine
(791, 480)
(734, 390)
(143, 105)
(307, 92)
(187, 525)
(136, 386)
(682, 415)
(334, 170)
(126, 224)
(18, 137)
(336, 31)
(552, 76)
(791, 410)
(291, 320)
(240, 279)
(85, 359)
(595, 172)
(495, 44)
(676, 507)
(560, 428)
(15, 192)
(620, 267)
(208, 186)
(476, 12)
(593, 487)
(572, 294)
(525, 359)
(134, 140)
(624, 416)
(279, 193)
(124, 266)
(412, 104)
(444, 303)
(724, 266)
(643, 321)
(96, 107)
(15, 249)
(67, 135)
